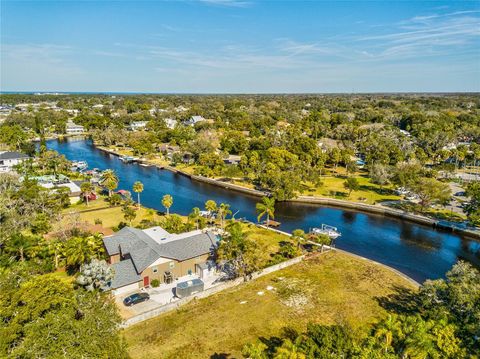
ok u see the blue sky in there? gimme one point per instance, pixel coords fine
(240, 46)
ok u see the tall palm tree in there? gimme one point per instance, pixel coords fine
(266, 208)
(86, 188)
(223, 211)
(109, 179)
(211, 207)
(167, 202)
(195, 216)
(138, 188)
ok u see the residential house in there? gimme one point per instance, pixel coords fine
(140, 256)
(192, 121)
(10, 159)
(60, 181)
(171, 123)
(138, 125)
(72, 128)
(232, 160)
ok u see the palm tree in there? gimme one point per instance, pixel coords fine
(86, 188)
(266, 208)
(299, 236)
(167, 202)
(138, 188)
(195, 215)
(223, 212)
(19, 246)
(388, 329)
(110, 180)
(211, 207)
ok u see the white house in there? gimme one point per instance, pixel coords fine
(171, 123)
(194, 120)
(138, 125)
(10, 159)
(73, 129)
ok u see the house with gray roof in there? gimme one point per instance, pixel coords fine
(9, 159)
(140, 256)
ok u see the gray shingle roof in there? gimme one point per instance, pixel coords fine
(12, 155)
(125, 274)
(144, 251)
(189, 247)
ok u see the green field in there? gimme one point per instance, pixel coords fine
(332, 288)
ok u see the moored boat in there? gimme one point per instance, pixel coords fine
(325, 229)
(79, 165)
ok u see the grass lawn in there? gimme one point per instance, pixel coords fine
(333, 288)
(333, 187)
(268, 241)
(110, 217)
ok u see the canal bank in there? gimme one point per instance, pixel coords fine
(417, 250)
(323, 201)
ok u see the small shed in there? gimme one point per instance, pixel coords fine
(185, 289)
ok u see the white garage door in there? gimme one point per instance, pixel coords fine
(125, 289)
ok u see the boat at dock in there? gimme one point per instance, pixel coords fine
(128, 159)
(271, 223)
(325, 229)
(79, 165)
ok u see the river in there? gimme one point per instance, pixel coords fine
(419, 251)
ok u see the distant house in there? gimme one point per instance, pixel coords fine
(170, 122)
(72, 128)
(60, 181)
(138, 125)
(232, 159)
(140, 256)
(192, 121)
(10, 159)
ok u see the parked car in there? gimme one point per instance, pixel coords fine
(135, 299)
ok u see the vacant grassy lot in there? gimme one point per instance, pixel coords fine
(369, 192)
(332, 288)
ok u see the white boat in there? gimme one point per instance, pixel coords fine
(128, 159)
(79, 165)
(325, 229)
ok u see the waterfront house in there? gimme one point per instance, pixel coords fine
(72, 128)
(10, 159)
(140, 256)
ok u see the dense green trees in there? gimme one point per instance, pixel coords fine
(44, 316)
(472, 208)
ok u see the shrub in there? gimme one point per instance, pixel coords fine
(98, 221)
(155, 283)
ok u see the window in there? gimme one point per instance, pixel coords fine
(154, 269)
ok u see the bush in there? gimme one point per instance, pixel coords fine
(98, 221)
(155, 283)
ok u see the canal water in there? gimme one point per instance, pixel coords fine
(419, 251)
